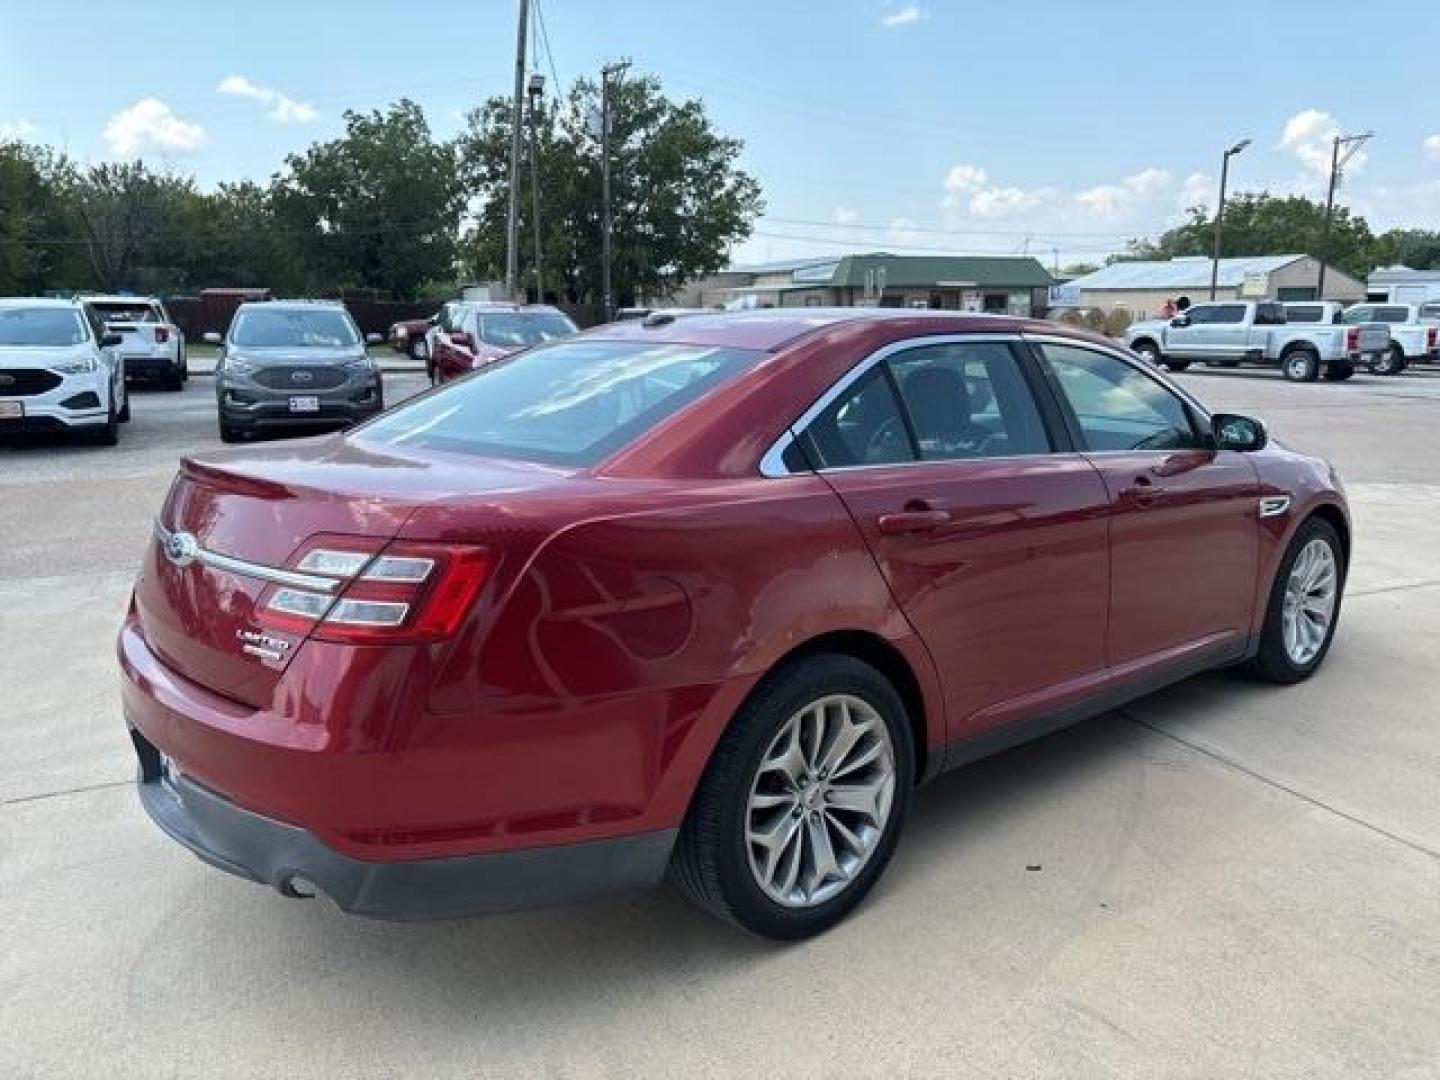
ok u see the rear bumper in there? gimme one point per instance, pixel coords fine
(292, 861)
(155, 366)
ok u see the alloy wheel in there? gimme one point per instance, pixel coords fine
(1310, 594)
(820, 801)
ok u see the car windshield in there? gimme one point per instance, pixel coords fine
(113, 313)
(572, 403)
(291, 327)
(41, 326)
(518, 329)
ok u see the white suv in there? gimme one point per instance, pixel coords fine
(59, 370)
(151, 343)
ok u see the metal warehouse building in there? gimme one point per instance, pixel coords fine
(1014, 285)
(1142, 288)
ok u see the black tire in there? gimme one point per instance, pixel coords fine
(1272, 661)
(1338, 372)
(175, 380)
(1149, 352)
(124, 414)
(710, 864)
(1176, 365)
(1300, 365)
(1391, 362)
(109, 433)
(419, 349)
(229, 433)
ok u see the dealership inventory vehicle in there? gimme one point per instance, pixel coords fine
(1231, 333)
(706, 597)
(408, 336)
(469, 335)
(1414, 339)
(293, 364)
(59, 371)
(151, 344)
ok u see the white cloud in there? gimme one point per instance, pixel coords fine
(283, 110)
(1197, 190)
(965, 178)
(903, 16)
(1113, 200)
(16, 129)
(1147, 182)
(1431, 145)
(1000, 202)
(1309, 135)
(844, 215)
(150, 125)
(902, 232)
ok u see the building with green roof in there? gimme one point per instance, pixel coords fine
(1012, 284)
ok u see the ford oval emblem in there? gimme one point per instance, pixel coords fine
(6, 380)
(181, 548)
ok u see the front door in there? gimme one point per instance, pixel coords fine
(993, 545)
(1184, 532)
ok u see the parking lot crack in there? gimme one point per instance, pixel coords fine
(64, 791)
(1270, 781)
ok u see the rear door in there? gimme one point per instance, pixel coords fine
(1184, 533)
(991, 536)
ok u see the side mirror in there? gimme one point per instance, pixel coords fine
(1235, 432)
(462, 339)
(373, 339)
(110, 340)
(1180, 321)
(212, 338)
(433, 319)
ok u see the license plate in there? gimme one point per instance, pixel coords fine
(12, 410)
(304, 404)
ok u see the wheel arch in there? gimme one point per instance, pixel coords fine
(1140, 342)
(1335, 517)
(1299, 346)
(881, 654)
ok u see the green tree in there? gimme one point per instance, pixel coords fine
(1264, 224)
(132, 220)
(40, 249)
(377, 208)
(679, 198)
(1418, 249)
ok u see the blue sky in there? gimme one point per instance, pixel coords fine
(955, 126)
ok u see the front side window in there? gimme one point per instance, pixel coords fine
(53, 327)
(572, 403)
(1228, 313)
(268, 327)
(1354, 315)
(1199, 315)
(519, 329)
(1118, 406)
(968, 400)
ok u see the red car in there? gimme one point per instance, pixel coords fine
(707, 596)
(470, 334)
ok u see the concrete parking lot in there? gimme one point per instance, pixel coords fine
(1225, 879)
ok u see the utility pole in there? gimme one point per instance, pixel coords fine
(1352, 144)
(536, 89)
(1220, 211)
(608, 72)
(517, 117)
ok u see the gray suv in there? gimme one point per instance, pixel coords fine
(293, 363)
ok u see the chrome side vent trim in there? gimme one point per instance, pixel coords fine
(1274, 505)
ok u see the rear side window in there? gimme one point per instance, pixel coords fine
(1305, 313)
(968, 400)
(1117, 405)
(572, 403)
(1390, 314)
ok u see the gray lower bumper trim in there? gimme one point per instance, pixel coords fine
(273, 853)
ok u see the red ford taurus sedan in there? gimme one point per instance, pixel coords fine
(704, 597)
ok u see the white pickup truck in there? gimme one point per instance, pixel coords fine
(1228, 333)
(1414, 334)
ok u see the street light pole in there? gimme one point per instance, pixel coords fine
(1352, 143)
(517, 117)
(536, 89)
(1220, 211)
(608, 72)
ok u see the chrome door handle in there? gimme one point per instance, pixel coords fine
(907, 521)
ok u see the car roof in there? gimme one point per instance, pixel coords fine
(769, 329)
(105, 298)
(293, 305)
(38, 301)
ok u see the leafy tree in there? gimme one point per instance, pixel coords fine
(131, 219)
(378, 208)
(679, 199)
(1418, 249)
(236, 241)
(39, 249)
(1263, 224)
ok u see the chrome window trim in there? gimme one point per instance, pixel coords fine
(772, 463)
(244, 568)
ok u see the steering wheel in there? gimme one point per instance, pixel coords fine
(883, 437)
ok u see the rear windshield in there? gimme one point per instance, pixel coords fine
(262, 327)
(573, 403)
(41, 326)
(517, 329)
(127, 312)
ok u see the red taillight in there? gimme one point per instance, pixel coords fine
(162, 335)
(405, 591)
(1352, 339)
(1430, 336)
